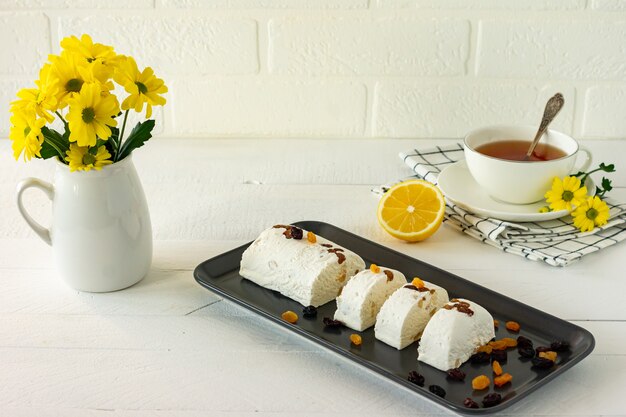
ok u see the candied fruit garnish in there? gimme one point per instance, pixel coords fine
(416, 378)
(469, 403)
(526, 351)
(480, 357)
(497, 369)
(296, 233)
(510, 342)
(542, 363)
(456, 374)
(498, 345)
(486, 349)
(492, 399)
(310, 236)
(355, 339)
(437, 390)
(309, 311)
(481, 382)
(418, 282)
(548, 355)
(496, 323)
(328, 322)
(560, 346)
(290, 316)
(499, 355)
(513, 326)
(502, 379)
(374, 268)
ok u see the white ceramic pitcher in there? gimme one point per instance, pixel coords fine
(100, 234)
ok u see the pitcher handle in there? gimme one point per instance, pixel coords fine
(585, 165)
(48, 189)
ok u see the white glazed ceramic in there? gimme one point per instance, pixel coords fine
(100, 234)
(520, 182)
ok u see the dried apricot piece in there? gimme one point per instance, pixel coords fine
(498, 345)
(374, 268)
(481, 382)
(418, 282)
(513, 326)
(486, 349)
(290, 317)
(510, 342)
(355, 339)
(502, 380)
(310, 236)
(548, 355)
(497, 369)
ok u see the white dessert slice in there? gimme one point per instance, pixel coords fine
(454, 333)
(404, 315)
(363, 296)
(311, 273)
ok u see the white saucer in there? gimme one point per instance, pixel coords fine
(458, 185)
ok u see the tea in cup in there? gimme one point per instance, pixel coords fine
(496, 158)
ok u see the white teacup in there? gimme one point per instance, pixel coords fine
(521, 182)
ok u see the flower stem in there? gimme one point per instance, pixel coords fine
(61, 117)
(121, 136)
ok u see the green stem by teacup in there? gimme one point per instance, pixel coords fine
(606, 183)
(121, 136)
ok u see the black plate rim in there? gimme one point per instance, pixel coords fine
(389, 377)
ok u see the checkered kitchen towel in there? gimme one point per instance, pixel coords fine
(556, 242)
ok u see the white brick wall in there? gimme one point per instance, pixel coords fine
(353, 68)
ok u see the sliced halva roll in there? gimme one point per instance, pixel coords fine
(454, 333)
(363, 296)
(306, 268)
(404, 315)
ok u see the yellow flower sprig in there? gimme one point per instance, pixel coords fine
(77, 87)
(570, 194)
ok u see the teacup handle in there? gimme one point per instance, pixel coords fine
(588, 158)
(48, 189)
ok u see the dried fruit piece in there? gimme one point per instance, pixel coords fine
(437, 390)
(481, 382)
(355, 339)
(290, 317)
(374, 268)
(456, 374)
(548, 355)
(540, 349)
(492, 399)
(502, 380)
(417, 282)
(560, 346)
(513, 326)
(480, 357)
(526, 351)
(469, 403)
(510, 342)
(496, 323)
(328, 322)
(486, 349)
(309, 311)
(524, 342)
(416, 378)
(499, 355)
(497, 369)
(498, 345)
(542, 363)
(310, 236)
(296, 233)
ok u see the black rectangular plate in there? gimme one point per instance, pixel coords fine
(221, 275)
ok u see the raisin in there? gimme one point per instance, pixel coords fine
(418, 282)
(540, 349)
(290, 317)
(328, 322)
(310, 236)
(296, 233)
(309, 311)
(526, 351)
(355, 339)
(416, 378)
(497, 369)
(496, 323)
(456, 374)
(499, 355)
(486, 349)
(524, 342)
(560, 346)
(502, 380)
(481, 382)
(374, 268)
(548, 355)
(492, 399)
(469, 403)
(513, 326)
(480, 357)
(437, 390)
(509, 342)
(498, 345)
(542, 363)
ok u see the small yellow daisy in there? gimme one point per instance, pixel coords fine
(43, 99)
(590, 213)
(69, 72)
(101, 58)
(91, 114)
(143, 87)
(566, 194)
(80, 159)
(26, 134)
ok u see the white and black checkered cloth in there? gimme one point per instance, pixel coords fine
(556, 242)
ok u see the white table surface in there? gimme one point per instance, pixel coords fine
(168, 347)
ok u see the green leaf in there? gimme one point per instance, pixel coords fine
(607, 184)
(54, 140)
(48, 151)
(137, 137)
(607, 168)
(113, 143)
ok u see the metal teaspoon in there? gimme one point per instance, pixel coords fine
(553, 107)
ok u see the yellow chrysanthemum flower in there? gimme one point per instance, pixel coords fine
(143, 87)
(91, 114)
(590, 213)
(70, 73)
(26, 134)
(101, 58)
(566, 194)
(80, 159)
(41, 100)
